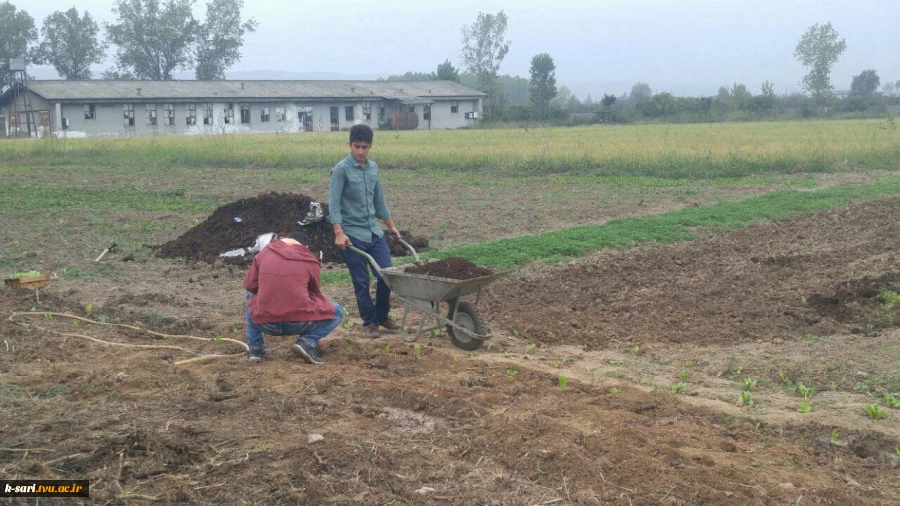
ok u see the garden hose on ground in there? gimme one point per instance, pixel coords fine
(202, 358)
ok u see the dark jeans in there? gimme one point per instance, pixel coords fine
(312, 331)
(370, 311)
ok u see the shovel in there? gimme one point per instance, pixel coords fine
(111, 249)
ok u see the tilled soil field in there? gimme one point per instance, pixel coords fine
(584, 416)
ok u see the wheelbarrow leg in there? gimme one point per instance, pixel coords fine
(403, 320)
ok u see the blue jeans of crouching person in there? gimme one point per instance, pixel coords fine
(311, 332)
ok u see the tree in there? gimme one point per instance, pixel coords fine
(891, 89)
(562, 97)
(17, 34)
(446, 72)
(818, 50)
(640, 92)
(588, 101)
(70, 44)
(221, 38)
(608, 101)
(484, 47)
(153, 41)
(865, 84)
(543, 83)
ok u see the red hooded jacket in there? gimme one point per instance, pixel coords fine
(284, 279)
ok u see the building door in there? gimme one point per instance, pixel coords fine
(305, 121)
(43, 123)
(335, 119)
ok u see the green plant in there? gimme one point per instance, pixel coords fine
(897, 450)
(875, 411)
(614, 390)
(748, 384)
(88, 308)
(74, 323)
(349, 325)
(616, 362)
(417, 351)
(555, 364)
(892, 400)
(511, 372)
(436, 332)
(218, 337)
(745, 398)
(889, 298)
(679, 387)
(28, 274)
(634, 350)
(805, 406)
(530, 348)
(388, 348)
(499, 347)
(834, 436)
(563, 381)
(805, 391)
(568, 360)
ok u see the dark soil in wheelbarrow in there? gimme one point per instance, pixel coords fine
(450, 268)
(238, 224)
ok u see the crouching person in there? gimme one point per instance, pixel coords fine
(284, 297)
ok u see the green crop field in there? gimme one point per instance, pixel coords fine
(674, 151)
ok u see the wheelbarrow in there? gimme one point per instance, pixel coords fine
(465, 325)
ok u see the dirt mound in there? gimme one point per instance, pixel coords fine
(811, 275)
(450, 268)
(239, 223)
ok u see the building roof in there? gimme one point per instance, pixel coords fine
(411, 92)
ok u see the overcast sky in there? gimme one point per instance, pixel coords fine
(687, 47)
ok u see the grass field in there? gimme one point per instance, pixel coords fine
(703, 151)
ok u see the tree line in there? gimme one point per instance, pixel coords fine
(152, 39)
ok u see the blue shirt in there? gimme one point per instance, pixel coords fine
(356, 200)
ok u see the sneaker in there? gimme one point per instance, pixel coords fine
(370, 330)
(255, 355)
(390, 325)
(307, 352)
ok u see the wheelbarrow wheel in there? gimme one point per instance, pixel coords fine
(470, 319)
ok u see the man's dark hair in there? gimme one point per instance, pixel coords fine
(361, 133)
(300, 237)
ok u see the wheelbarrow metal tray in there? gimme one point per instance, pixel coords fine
(418, 286)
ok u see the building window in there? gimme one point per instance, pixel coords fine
(229, 114)
(426, 112)
(207, 115)
(90, 111)
(348, 113)
(335, 125)
(381, 114)
(280, 114)
(245, 114)
(13, 123)
(190, 114)
(454, 106)
(367, 113)
(151, 115)
(264, 114)
(128, 112)
(169, 119)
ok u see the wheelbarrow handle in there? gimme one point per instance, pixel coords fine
(368, 257)
(408, 246)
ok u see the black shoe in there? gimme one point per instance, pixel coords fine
(307, 352)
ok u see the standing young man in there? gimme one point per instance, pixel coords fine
(284, 297)
(355, 204)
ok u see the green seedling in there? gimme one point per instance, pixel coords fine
(455, 358)
(33, 309)
(88, 308)
(745, 398)
(749, 384)
(614, 390)
(388, 348)
(499, 347)
(516, 333)
(634, 350)
(74, 323)
(563, 381)
(556, 364)
(530, 348)
(349, 325)
(511, 372)
(436, 333)
(27, 274)
(805, 391)
(679, 387)
(505, 354)
(889, 298)
(348, 345)
(875, 411)
(897, 450)
(805, 407)
(616, 362)
(834, 436)
(892, 400)
(48, 316)
(417, 351)
(568, 360)
(218, 338)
